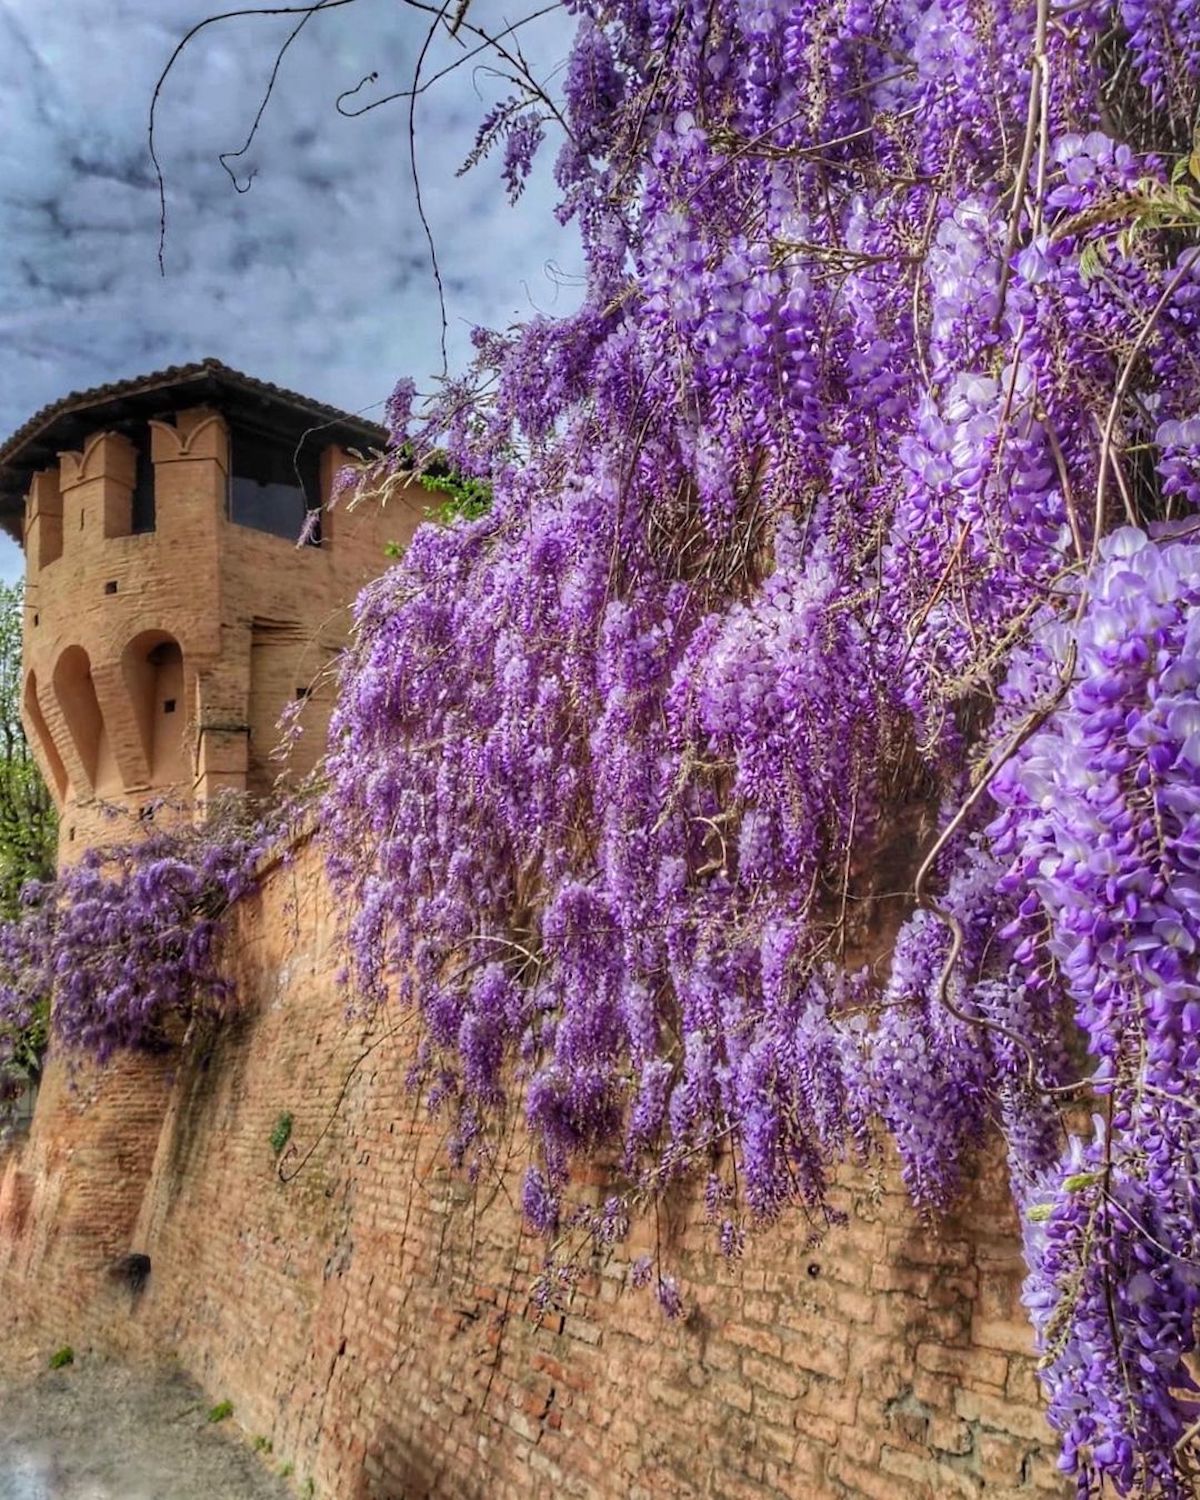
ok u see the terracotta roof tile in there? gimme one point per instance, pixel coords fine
(33, 444)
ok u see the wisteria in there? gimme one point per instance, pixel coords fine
(842, 548)
(118, 952)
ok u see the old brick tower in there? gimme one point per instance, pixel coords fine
(170, 614)
(170, 617)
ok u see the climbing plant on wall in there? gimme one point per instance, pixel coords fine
(118, 950)
(862, 486)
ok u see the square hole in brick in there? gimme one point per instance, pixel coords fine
(168, 705)
(111, 586)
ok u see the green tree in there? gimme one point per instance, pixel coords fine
(28, 828)
(28, 825)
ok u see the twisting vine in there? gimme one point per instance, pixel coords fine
(785, 536)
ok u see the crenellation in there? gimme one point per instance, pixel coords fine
(105, 455)
(96, 486)
(43, 521)
(196, 434)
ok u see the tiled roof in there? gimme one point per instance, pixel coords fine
(58, 426)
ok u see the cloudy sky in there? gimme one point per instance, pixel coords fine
(318, 276)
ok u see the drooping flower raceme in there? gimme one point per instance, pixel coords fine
(121, 944)
(1101, 813)
(798, 537)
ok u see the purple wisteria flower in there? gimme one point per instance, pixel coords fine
(855, 492)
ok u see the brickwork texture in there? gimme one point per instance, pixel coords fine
(371, 1316)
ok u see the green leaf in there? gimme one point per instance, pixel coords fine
(1080, 1180)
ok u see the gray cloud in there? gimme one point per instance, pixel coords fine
(318, 276)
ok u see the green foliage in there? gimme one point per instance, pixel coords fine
(1125, 219)
(62, 1357)
(262, 1444)
(281, 1132)
(28, 1045)
(221, 1411)
(466, 499)
(28, 827)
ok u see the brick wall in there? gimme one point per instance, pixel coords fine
(70, 1195)
(371, 1316)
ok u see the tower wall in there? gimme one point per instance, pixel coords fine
(158, 662)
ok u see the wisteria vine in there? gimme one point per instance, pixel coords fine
(119, 951)
(859, 494)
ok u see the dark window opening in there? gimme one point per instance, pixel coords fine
(37, 619)
(273, 488)
(71, 834)
(111, 586)
(302, 693)
(168, 705)
(142, 517)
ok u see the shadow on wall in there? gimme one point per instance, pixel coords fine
(396, 1466)
(213, 1055)
(76, 694)
(52, 761)
(152, 665)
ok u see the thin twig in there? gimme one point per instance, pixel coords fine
(1029, 725)
(1031, 132)
(227, 156)
(228, 15)
(1114, 410)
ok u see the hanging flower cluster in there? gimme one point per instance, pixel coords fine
(1100, 815)
(120, 946)
(859, 493)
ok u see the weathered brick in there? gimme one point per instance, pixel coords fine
(1002, 1458)
(1013, 1335)
(950, 1435)
(980, 1366)
(871, 1482)
(823, 1350)
(772, 1375)
(761, 1339)
(1022, 1384)
(449, 1383)
(1001, 1416)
